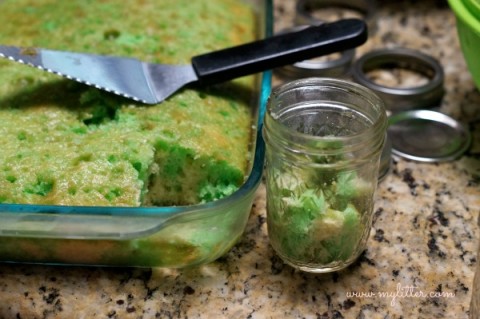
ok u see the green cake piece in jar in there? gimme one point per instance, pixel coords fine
(314, 221)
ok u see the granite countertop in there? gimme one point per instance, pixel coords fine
(421, 253)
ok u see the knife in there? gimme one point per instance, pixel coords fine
(151, 83)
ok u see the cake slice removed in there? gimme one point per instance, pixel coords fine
(64, 143)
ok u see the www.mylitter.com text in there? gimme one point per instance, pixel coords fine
(400, 293)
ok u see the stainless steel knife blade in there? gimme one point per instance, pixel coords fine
(152, 83)
(131, 78)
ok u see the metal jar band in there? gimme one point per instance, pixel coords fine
(337, 67)
(400, 99)
(304, 10)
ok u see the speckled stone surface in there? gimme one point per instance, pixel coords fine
(420, 258)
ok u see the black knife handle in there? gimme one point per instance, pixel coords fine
(279, 50)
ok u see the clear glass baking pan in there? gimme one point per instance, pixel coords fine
(173, 237)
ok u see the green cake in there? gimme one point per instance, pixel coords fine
(64, 143)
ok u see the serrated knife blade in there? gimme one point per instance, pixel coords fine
(152, 83)
(131, 78)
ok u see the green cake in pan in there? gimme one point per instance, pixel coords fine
(64, 143)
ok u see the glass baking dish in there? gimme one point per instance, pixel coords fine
(174, 237)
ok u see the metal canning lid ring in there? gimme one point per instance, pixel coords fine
(427, 136)
(402, 98)
(313, 67)
(304, 8)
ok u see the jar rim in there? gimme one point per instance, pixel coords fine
(378, 124)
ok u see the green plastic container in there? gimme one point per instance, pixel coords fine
(467, 13)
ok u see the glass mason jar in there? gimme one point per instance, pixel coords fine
(324, 138)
